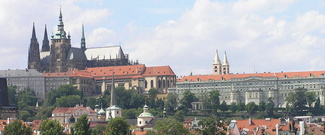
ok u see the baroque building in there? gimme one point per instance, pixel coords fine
(254, 87)
(58, 55)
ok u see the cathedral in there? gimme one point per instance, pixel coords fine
(60, 56)
(218, 67)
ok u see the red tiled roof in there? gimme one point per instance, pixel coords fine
(232, 76)
(60, 110)
(118, 70)
(160, 70)
(69, 110)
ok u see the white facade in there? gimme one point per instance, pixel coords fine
(145, 117)
(113, 112)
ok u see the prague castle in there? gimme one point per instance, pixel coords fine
(60, 56)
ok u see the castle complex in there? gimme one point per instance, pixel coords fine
(59, 56)
(255, 87)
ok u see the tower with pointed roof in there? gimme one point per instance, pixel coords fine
(33, 52)
(218, 67)
(83, 40)
(113, 111)
(46, 43)
(60, 46)
(225, 65)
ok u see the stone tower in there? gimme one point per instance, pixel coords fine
(218, 67)
(60, 46)
(46, 43)
(83, 40)
(33, 52)
(225, 65)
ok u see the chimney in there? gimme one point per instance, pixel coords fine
(8, 121)
(249, 121)
(276, 129)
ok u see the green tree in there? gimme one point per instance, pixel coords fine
(131, 113)
(51, 127)
(98, 130)
(160, 104)
(188, 98)
(171, 103)
(251, 108)
(137, 100)
(261, 106)
(82, 127)
(179, 116)
(269, 107)
(64, 90)
(241, 106)
(170, 127)
(17, 128)
(223, 107)
(297, 101)
(310, 98)
(26, 98)
(117, 126)
(317, 107)
(233, 107)
(68, 101)
(12, 93)
(45, 112)
(212, 126)
(152, 93)
(214, 99)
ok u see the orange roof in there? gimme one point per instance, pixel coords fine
(160, 70)
(69, 110)
(60, 110)
(118, 70)
(233, 76)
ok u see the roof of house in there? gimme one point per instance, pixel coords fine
(159, 70)
(263, 75)
(130, 70)
(20, 73)
(102, 53)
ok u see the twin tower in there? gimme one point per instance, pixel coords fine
(220, 68)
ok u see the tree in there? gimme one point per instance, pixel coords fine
(317, 107)
(214, 99)
(17, 128)
(82, 127)
(269, 107)
(171, 103)
(261, 106)
(64, 90)
(117, 126)
(310, 98)
(212, 126)
(137, 100)
(188, 98)
(223, 107)
(170, 127)
(98, 130)
(297, 101)
(68, 101)
(152, 93)
(251, 108)
(12, 93)
(179, 116)
(233, 107)
(241, 106)
(45, 112)
(51, 127)
(26, 98)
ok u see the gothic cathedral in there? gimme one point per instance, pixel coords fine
(61, 57)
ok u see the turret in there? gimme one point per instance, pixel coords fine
(46, 42)
(33, 52)
(225, 65)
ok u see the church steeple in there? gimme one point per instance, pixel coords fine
(46, 43)
(225, 60)
(113, 92)
(83, 40)
(216, 65)
(225, 65)
(33, 52)
(61, 34)
(216, 58)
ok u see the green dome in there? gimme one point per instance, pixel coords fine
(101, 112)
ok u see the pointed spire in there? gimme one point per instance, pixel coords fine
(61, 34)
(33, 33)
(216, 58)
(46, 43)
(112, 91)
(83, 40)
(225, 60)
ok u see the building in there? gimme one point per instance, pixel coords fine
(254, 87)
(64, 114)
(137, 77)
(60, 56)
(7, 110)
(218, 67)
(25, 78)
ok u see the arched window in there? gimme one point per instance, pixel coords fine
(159, 83)
(164, 82)
(151, 84)
(145, 84)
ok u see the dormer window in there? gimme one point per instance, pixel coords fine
(285, 76)
(311, 75)
(198, 79)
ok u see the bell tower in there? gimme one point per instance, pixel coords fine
(33, 52)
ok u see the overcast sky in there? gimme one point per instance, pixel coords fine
(258, 35)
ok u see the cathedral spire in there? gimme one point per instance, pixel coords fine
(34, 33)
(46, 43)
(61, 34)
(216, 58)
(225, 60)
(83, 40)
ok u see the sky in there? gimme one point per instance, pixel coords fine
(257, 35)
